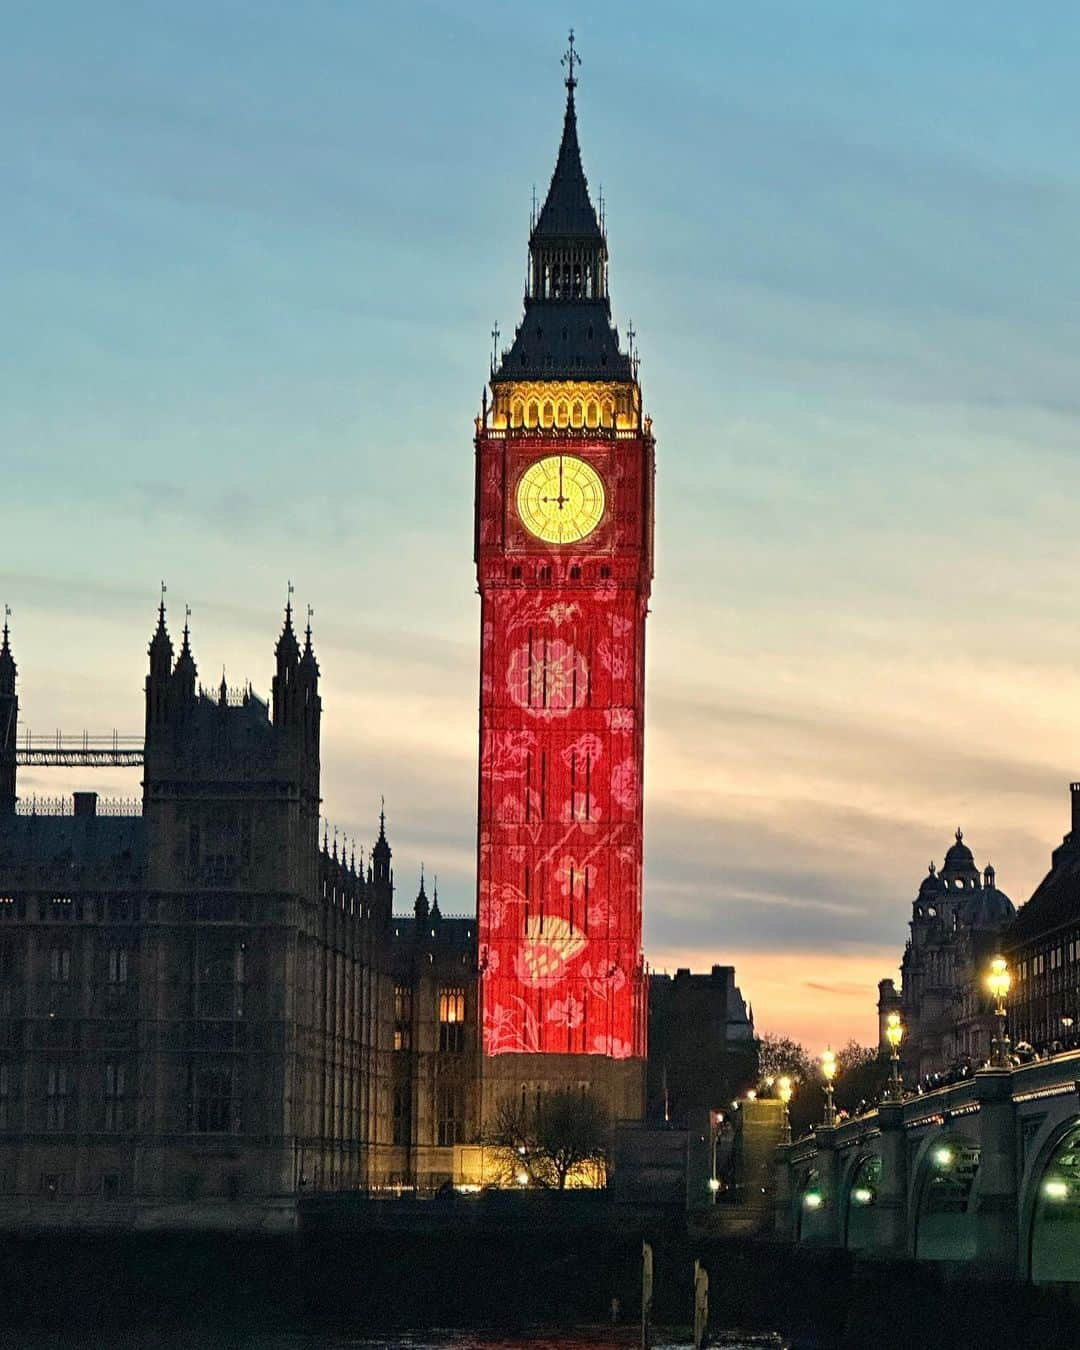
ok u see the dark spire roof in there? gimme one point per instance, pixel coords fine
(568, 211)
(566, 332)
(161, 648)
(308, 664)
(288, 649)
(436, 913)
(420, 906)
(382, 847)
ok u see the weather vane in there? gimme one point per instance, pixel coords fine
(494, 344)
(570, 60)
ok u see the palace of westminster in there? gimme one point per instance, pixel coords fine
(208, 1013)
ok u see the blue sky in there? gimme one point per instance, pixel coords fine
(252, 255)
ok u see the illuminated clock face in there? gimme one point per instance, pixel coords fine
(560, 499)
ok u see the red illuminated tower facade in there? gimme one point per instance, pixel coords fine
(564, 552)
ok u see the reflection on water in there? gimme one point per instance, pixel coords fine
(189, 1338)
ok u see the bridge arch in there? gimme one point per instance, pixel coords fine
(943, 1227)
(860, 1195)
(1050, 1213)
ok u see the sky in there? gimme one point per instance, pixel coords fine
(252, 255)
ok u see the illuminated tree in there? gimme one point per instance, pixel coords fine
(556, 1140)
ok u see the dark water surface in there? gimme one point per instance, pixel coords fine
(190, 1338)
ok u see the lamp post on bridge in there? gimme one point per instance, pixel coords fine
(828, 1072)
(784, 1089)
(999, 981)
(894, 1034)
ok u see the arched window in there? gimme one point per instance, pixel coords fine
(577, 416)
(517, 413)
(592, 415)
(549, 414)
(609, 413)
(564, 413)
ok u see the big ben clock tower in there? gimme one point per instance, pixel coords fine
(564, 520)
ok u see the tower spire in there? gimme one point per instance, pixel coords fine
(570, 60)
(7, 661)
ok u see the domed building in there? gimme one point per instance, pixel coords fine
(957, 919)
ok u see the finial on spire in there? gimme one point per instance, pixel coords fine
(494, 350)
(382, 817)
(161, 606)
(570, 60)
(7, 616)
(959, 835)
(310, 616)
(288, 602)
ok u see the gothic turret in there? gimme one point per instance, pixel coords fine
(9, 723)
(420, 904)
(157, 681)
(381, 874)
(308, 692)
(184, 674)
(287, 656)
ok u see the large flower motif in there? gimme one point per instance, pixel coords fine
(568, 1012)
(620, 719)
(548, 678)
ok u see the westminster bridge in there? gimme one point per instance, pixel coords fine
(984, 1171)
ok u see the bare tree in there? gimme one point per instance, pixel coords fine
(547, 1143)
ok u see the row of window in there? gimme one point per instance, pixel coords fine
(1054, 959)
(60, 1097)
(61, 908)
(546, 573)
(116, 966)
(561, 414)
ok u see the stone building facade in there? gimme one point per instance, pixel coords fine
(435, 1062)
(1042, 947)
(199, 1003)
(957, 920)
(702, 1051)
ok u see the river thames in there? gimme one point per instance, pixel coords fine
(194, 1338)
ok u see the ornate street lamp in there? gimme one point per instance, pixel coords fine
(894, 1034)
(784, 1089)
(999, 981)
(828, 1072)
